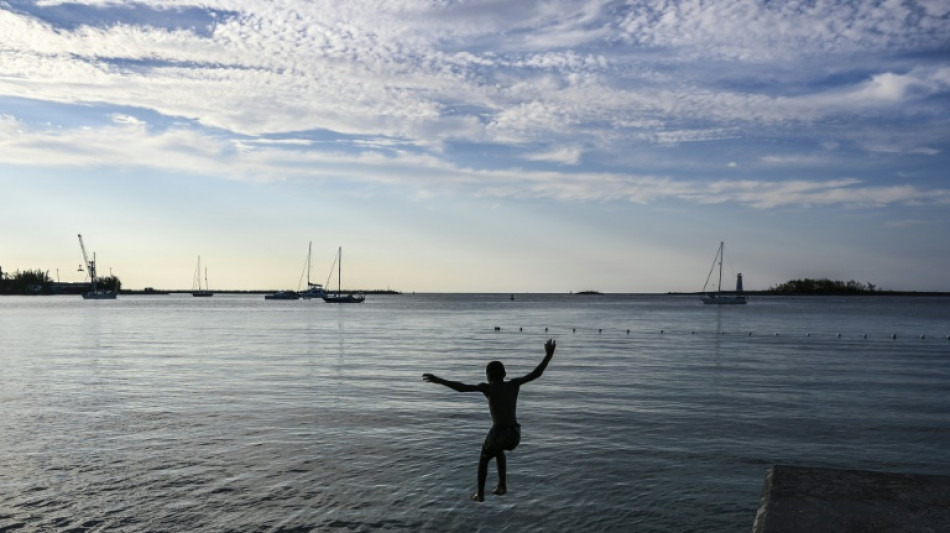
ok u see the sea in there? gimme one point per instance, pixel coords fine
(657, 413)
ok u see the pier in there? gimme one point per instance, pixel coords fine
(823, 500)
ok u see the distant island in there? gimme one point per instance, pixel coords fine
(823, 286)
(588, 292)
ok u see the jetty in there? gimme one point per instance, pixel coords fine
(825, 500)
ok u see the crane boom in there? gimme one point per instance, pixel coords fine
(90, 265)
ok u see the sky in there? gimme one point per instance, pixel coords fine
(477, 146)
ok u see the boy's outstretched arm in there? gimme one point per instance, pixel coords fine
(454, 385)
(536, 373)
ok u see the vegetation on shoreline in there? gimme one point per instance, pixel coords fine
(823, 286)
(39, 282)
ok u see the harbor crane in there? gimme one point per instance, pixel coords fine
(90, 265)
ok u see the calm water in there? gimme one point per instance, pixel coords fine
(173, 413)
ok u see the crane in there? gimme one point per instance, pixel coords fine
(90, 265)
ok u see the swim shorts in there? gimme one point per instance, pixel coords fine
(501, 438)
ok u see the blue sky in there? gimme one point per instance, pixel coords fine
(480, 145)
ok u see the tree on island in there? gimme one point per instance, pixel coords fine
(823, 286)
(39, 282)
(25, 282)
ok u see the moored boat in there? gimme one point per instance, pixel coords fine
(283, 295)
(339, 297)
(719, 297)
(96, 293)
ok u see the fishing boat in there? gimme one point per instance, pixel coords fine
(96, 293)
(282, 295)
(339, 297)
(196, 289)
(719, 297)
(314, 290)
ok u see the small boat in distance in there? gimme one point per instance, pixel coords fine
(314, 290)
(339, 297)
(282, 295)
(197, 291)
(96, 293)
(719, 297)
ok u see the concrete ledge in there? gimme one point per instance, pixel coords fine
(819, 500)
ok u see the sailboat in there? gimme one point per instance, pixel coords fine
(339, 297)
(96, 293)
(718, 297)
(196, 285)
(314, 290)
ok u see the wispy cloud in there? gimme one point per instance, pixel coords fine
(183, 150)
(414, 84)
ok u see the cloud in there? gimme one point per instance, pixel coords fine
(182, 150)
(261, 88)
(567, 155)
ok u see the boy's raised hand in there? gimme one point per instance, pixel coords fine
(549, 347)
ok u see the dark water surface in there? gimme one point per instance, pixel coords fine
(173, 413)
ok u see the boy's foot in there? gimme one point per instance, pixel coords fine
(478, 497)
(499, 490)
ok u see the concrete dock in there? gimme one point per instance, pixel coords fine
(818, 500)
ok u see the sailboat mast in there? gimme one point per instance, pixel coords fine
(309, 251)
(722, 250)
(339, 271)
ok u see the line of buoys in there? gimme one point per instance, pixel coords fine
(748, 333)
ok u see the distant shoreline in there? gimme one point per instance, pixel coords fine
(161, 292)
(798, 294)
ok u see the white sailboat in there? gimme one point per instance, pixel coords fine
(719, 297)
(96, 293)
(339, 297)
(196, 289)
(314, 290)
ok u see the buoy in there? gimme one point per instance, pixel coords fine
(923, 336)
(520, 329)
(750, 333)
(808, 334)
(692, 332)
(628, 332)
(865, 335)
(497, 328)
(600, 331)
(722, 332)
(839, 335)
(661, 331)
(776, 334)
(894, 336)
(545, 330)
(574, 330)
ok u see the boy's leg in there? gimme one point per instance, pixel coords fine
(482, 476)
(502, 462)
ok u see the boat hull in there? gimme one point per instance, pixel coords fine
(313, 293)
(98, 296)
(715, 299)
(344, 299)
(287, 295)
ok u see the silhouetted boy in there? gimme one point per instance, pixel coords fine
(505, 432)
